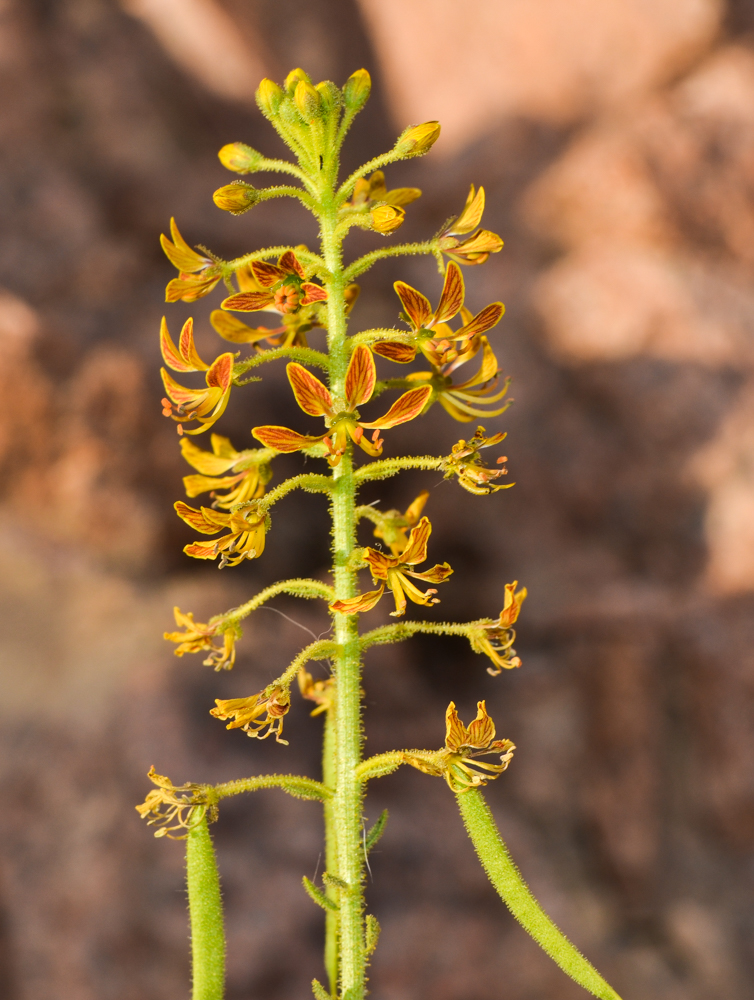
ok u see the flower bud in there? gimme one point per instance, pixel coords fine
(330, 94)
(308, 101)
(236, 198)
(239, 157)
(293, 78)
(269, 96)
(356, 90)
(418, 139)
(387, 218)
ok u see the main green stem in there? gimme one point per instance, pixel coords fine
(343, 818)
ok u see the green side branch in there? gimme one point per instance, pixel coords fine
(388, 467)
(304, 355)
(296, 785)
(300, 587)
(515, 893)
(206, 915)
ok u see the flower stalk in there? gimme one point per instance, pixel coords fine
(306, 293)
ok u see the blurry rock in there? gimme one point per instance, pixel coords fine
(554, 61)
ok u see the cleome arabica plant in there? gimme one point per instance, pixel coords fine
(304, 291)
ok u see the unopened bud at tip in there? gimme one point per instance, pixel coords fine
(357, 89)
(308, 101)
(269, 96)
(293, 79)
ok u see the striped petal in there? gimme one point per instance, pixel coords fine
(452, 296)
(290, 264)
(417, 306)
(248, 301)
(266, 274)
(236, 331)
(189, 288)
(188, 350)
(393, 350)
(489, 316)
(416, 549)
(405, 408)
(205, 520)
(360, 377)
(220, 372)
(174, 356)
(282, 439)
(311, 395)
(205, 461)
(180, 254)
(313, 293)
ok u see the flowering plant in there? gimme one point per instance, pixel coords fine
(304, 291)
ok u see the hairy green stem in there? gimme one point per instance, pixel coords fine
(206, 915)
(295, 784)
(517, 896)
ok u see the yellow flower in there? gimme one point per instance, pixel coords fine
(245, 538)
(320, 692)
(465, 462)
(239, 157)
(457, 762)
(341, 416)
(462, 399)
(198, 637)
(392, 525)
(430, 332)
(250, 471)
(395, 571)
(198, 274)
(477, 248)
(182, 404)
(175, 807)
(496, 638)
(356, 90)
(265, 710)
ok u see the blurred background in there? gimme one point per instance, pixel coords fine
(616, 145)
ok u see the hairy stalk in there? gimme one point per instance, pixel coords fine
(206, 914)
(347, 807)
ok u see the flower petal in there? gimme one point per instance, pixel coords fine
(236, 331)
(313, 293)
(356, 605)
(290, 264)
(188, 350)
(417, 306)
(416, 549)
(452, 296)
(394, 350)
(481, 731)
(360, 377)
(456, 733)
(248, 301)
(179, 253)
(170, 352)
(206, 462)
(266, 274)
(220, 372)
(488, 317)
(471, 215)
(282, 439)
(189, 288)
(206, 520)
(311, 395)
(405, 408)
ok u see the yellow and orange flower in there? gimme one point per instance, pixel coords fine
(373, 191)
(198, 275)
(246, 533)
(391, 527)
(250, 471)
(199, 637)
(395, 571)
(430, 332)
(465, 462)
(462, 399)
(341, 416)
(457, 762)
(260, 712)
(477, 248)
(183, 405)
(496, 639)
(283, 288)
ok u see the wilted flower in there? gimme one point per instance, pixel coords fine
(265, 710)
(245, 538)
(199, 637)
(250, 471)
(465, 462)
(175, 807)
(496, 638)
